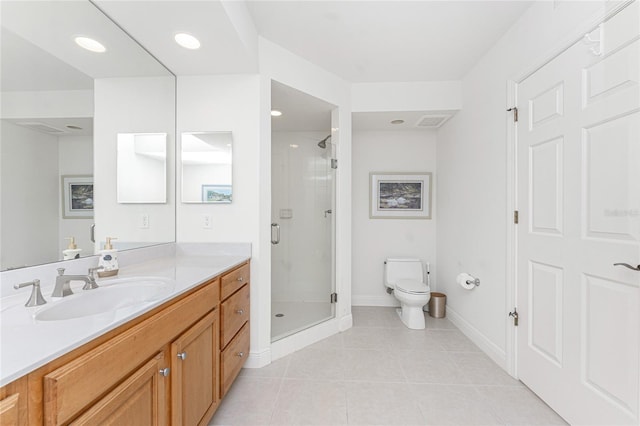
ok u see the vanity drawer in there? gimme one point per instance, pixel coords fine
(233, 358)
(232, 281)
(234, 313)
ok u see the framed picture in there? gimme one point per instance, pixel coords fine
(400, 195)
(216, 193)
(77, 197)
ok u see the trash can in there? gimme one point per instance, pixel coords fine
(438, 305)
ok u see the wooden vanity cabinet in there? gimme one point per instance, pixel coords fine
(234, 325)
(170, 366)
(195, 373)
(13, 403)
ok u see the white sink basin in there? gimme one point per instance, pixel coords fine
(109, 297)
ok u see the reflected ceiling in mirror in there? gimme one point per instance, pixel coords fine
(48, 117)
(142, 168)
(207, 167)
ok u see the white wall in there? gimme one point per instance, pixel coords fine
(217, 104)
(374, 240)
(301, 183)
(75, 157)
(30, 188)
(132, 105)
(472, 183)
(406, 96)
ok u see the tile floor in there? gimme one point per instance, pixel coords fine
(381, 373)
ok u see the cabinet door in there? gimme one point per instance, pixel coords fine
(139, 400)
(9, 410)
(195, 376)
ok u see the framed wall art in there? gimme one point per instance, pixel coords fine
(400, 195)
(77, 197)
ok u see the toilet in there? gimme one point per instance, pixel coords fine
(405, 279)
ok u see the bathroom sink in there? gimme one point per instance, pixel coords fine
(109, 297)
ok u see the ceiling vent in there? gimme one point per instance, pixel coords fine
(40, 127)
(433, 120)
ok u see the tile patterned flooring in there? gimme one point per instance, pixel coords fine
(381, 373)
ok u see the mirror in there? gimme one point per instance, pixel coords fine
(62, 109)
(207, 162)
(142, 168)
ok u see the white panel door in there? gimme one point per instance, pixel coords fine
(578, 168)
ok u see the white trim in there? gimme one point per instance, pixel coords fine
(388, 301)
(258, 359)
(511, 294)
(483, 342)
(304, 338)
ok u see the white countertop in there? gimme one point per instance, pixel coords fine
(27, 344)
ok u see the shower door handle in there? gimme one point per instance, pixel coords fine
(276, 227)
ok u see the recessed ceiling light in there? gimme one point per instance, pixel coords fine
(90, 44)
(187, 41)
(397, 121)
(275, 113)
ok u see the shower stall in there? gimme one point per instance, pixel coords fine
(302, 231)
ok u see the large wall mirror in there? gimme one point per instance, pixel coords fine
(207, 167)
(64, 101)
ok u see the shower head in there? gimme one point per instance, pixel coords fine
(323, 143)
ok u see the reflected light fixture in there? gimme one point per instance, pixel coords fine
(275, 113)
(90, 44)
(187, 41)
(397, 121)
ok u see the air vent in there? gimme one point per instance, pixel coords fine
(40, 127)
(431, 120)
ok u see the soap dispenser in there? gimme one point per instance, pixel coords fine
(108, 260)
(72, 251)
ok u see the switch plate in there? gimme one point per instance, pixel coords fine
(206, 221)
(144, 221)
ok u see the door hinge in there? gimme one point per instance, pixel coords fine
(516, 217)
(334, 163)
(334, 297)
(514, 315)
(515, 113)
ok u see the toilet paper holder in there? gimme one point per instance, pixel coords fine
(474, 281)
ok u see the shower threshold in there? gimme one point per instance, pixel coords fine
(297, 316)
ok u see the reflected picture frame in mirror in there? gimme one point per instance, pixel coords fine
(206, 160)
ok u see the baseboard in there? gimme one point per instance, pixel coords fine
(491, 349)
(374, 301)
(346, 322)
(258, 359)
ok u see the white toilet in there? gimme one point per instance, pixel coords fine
(405, 279)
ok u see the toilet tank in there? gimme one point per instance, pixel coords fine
(399, 269)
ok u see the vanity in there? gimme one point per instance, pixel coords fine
(169, 360)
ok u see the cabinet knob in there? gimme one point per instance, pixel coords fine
(182, 355)
(164, 372)
(240, 354)
(240, 279)
(239, 311)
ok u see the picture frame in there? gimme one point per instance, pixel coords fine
(217, 194)
(397, 195)
(77, 196)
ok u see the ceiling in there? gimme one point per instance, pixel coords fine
(387, 41)
(360, 41)
(300, 111)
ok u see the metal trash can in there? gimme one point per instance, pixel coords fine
(438, 305)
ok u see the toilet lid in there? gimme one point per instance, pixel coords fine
(412, 286)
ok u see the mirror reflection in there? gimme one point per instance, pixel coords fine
(142, 167)
(207, 167)
(62, 107)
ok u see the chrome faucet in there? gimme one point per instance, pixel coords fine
(63, 282)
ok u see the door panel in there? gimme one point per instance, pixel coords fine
(579, 201)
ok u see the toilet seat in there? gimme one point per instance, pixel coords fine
(412, 287)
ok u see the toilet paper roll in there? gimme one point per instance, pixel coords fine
(462, 280)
